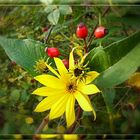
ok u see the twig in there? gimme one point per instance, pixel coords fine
(49, 33)
(92, 34)
(85, 46)
(72, 128)
(42, 125)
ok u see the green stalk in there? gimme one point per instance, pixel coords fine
(108, 96)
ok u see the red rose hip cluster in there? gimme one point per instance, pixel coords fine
(81, 32)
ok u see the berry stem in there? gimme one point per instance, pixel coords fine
(92, 34)
(100, 19)
(100, 23)
(49, 33)
(85, 45)
(64, 55)
(100, 44)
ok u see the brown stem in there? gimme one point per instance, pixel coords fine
(92, 34)
(85, 46)
(49, 33)
(62, 54)
(72, 128)
(42, 125)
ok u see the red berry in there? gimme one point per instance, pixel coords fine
(52, 52)
(82, 31)
(100, 32)
(66, 63)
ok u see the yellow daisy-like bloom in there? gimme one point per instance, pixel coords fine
(62, 91)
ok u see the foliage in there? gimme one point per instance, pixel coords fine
(115, 56)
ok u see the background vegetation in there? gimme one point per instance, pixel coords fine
(118, 110)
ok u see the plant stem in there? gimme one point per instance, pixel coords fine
(49, 33)
(92, 34)
(100, 19)
(42, 125)
(110, 119)
(85, 46)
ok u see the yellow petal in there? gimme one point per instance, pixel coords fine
(52, 70)
(88, 89)
(47, 91)
(91, 76)
(47, 103)
(50, 81)
(70, 137)
(59, 107)
(93, 111)
(60, 66)
(70, 112)
(71, 60)
(83, 101)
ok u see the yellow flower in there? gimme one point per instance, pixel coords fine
(41, 66)
(62, 91)
(79, 71)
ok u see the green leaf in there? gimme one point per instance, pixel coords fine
(117, 50)
(53, 17)
(122, 58)
(50, 8)
(120, 71)
(97, 59)
(101, 58)
(65, 9)
(24, 52)
(108, 96)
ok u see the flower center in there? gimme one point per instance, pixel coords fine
(77, 72)
(71, 87)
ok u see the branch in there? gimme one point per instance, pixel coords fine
(49, 33)
(42, 125)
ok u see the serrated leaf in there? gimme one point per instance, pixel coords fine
(24, 52)
(53, 17)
